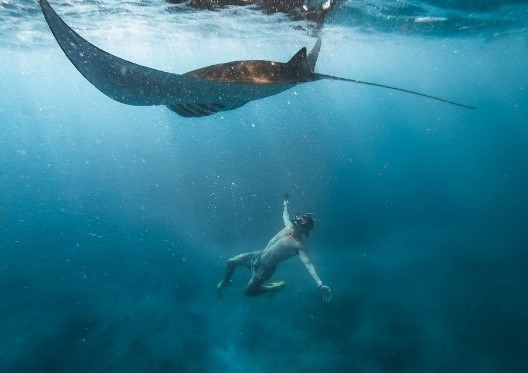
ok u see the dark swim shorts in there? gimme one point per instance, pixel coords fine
(259, 272)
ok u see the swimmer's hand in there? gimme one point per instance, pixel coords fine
(326, 293)
(286, 201)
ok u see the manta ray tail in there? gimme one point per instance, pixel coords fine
(322, 76)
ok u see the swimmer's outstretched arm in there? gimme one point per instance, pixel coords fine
(325, 290)
(285, 214)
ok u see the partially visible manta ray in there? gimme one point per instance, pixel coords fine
(196, 93)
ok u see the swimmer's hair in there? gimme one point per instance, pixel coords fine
(304, 221)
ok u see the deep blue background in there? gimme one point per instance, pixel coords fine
(116, 221)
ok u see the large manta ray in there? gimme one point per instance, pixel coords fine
(197, 93)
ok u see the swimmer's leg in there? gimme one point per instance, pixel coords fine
(232, 263)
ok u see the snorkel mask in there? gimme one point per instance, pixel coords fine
(304, 221)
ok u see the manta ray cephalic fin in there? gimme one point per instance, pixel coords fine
(195, 110)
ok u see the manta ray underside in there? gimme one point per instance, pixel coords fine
(197, 93)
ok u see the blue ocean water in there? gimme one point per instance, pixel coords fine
(116, 221)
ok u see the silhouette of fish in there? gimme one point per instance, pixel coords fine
(197, 93)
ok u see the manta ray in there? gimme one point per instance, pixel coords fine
(197, 93)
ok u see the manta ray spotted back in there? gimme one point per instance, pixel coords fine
(197, 93)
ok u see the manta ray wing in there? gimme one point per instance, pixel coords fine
(117, 78)
(133, 84)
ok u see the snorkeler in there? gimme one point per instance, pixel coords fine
(286, 244)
